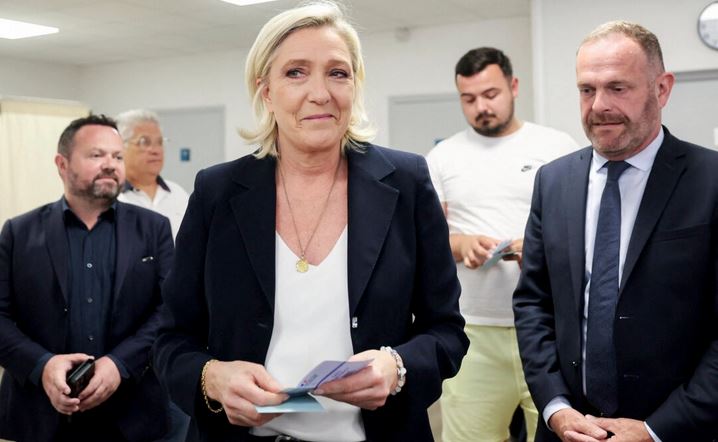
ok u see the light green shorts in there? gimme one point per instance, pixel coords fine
(477, 404)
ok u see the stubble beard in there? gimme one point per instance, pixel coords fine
(96, 192)
(493, 131)
(634, 135)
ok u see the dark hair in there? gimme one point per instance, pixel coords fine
(476, 60)
(67, 138)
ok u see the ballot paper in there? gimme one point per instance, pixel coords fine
(299, 398)
(497, 254)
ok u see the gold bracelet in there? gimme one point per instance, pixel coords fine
(204, 389)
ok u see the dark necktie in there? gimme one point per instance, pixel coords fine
(601, 373)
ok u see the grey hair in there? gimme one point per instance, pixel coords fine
(313, 14)
(127, 121)
(646, 39)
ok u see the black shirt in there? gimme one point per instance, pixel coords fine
(91, 278)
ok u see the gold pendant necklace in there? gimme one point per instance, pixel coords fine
(302, 265)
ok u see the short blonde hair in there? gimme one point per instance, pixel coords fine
(259, 62)
(646, 39)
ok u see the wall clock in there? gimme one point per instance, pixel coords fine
(708, 25)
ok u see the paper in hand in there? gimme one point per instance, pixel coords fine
(497, 254)
(299, 399)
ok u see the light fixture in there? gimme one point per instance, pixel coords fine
(246, 2)
(13, 30)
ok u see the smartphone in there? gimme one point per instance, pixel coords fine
(79, 377)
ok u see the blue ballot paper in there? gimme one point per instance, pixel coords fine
(299, 399)
(295, 404)
(497, 254)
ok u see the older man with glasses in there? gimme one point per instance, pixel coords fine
(144, 158)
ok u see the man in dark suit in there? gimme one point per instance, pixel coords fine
(81, 278)
(616, 306)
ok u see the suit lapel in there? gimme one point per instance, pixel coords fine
(667, 169)
(576, 188)
(371, 209)
(254, 209)
(57, 245)
(125, 220)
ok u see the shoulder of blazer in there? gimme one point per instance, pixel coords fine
(568, 160)
(674, 147)
(380, 162)
(36, 214)
(245, 171)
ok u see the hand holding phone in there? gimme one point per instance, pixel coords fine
(79, 377)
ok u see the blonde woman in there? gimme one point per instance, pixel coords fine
(320, 246)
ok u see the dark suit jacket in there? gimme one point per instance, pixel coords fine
(34, 259)
(666, 322)
(220, 293)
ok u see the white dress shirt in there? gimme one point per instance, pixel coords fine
(632, 184)
(170, 200)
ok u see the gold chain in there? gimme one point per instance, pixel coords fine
(302, 264)
(204, 389)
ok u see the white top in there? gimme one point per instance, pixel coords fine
(486, 183)
(170, 200)
(632, 184)
(311, 324)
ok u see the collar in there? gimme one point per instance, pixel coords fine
(161, 182)
(68, 214)
(643, 160)
(493, 141)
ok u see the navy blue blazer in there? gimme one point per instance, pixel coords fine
(34, 320)
(666, 323)
(402, 285)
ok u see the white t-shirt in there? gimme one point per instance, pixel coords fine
(486, 183)
(311, 324)
(170, 200)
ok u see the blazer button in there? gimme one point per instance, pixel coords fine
(575, 364)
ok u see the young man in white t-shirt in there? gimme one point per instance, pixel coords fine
(484, 178)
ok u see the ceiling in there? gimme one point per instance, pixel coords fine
(108, 31)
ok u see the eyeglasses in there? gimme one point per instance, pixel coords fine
(145, 143)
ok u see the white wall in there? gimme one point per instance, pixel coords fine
(33, 79)
(213, 79)
(422, 65)
(560, 25)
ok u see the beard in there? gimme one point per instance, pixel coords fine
(96, 191)
(633, 136)
(483, 125)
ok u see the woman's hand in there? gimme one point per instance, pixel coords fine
(367, 388)
(239, 386)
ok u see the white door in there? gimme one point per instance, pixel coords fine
(418, 122)
(692, 110)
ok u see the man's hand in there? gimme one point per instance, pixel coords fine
(239, 386)
(517, 247)
(54, 381)
(572, 426)
(104, 382)
(624, 430)
(369, 387)
(472, 250)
